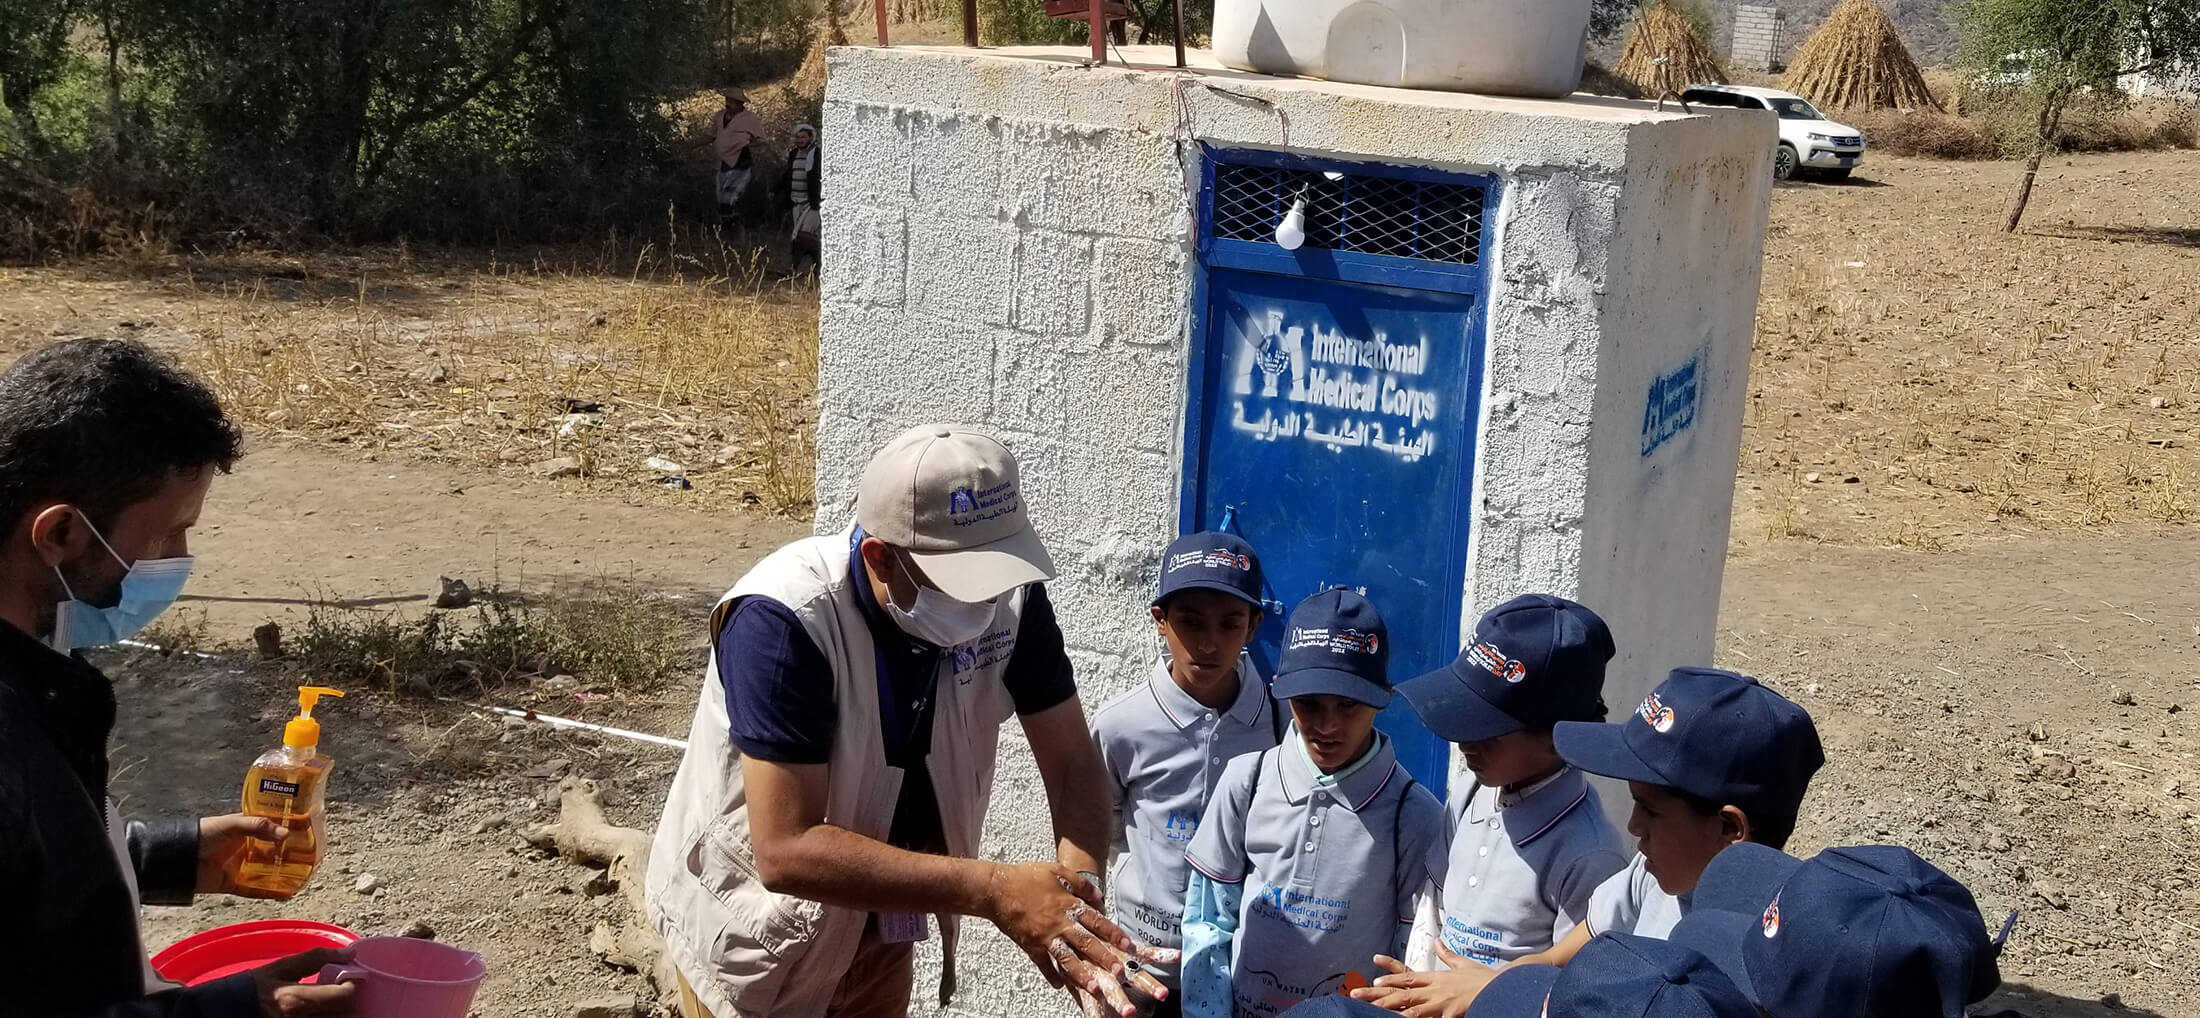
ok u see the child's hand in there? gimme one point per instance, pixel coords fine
(1441, 994)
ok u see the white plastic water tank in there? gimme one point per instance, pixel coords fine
(1499, 47)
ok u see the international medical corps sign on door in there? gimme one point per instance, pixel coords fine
(1311, 380)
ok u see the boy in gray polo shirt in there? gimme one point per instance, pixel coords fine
(1165, 742)
(1528, 839)
(1314, 854)
(1712, 758)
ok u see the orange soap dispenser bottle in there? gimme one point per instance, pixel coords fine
(286, 785)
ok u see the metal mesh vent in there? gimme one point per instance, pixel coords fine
(1438, 222)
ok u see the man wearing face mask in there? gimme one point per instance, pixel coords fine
(829, 806)
(106, 454)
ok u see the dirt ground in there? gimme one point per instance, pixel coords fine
(1980, 621)
(430, 795)
(1921, 379)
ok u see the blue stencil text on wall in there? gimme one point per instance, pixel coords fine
(1670, 408)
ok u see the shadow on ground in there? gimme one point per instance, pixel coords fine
(2018, 1000)
(2170, 236)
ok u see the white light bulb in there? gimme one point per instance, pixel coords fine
(1292, 231)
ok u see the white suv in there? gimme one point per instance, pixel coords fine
(1808, 141)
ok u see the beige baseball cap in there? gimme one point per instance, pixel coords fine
(952, 498)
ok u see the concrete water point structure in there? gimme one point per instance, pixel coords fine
(1509, 355)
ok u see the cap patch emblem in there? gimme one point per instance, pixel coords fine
(1772, 919)
(966, 507)
(1487, 657)
(1216, 559)
(1336, 641)
(1656, 714)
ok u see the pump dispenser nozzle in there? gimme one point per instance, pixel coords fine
(303, 732)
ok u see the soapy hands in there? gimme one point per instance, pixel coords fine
(1056, 916)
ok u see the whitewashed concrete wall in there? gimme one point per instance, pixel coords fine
(1009, 243)
(1760, 38)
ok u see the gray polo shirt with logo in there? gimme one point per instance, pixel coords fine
(1523, 865)
(1632, 902)
(1164, 753)
(1330, 873)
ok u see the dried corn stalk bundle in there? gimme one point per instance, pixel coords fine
(1664, 33)
(1856, 61)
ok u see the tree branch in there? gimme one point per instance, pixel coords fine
(523, 37)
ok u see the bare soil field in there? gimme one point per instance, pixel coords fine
(581, 364)
(1921, 379)
(1988, 622)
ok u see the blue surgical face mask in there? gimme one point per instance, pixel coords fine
(148, 587)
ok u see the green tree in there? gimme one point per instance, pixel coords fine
(2069, 48)
(1608, 17)
(1154, 21)
(326, 98)
(1025, 23)
(34, 49)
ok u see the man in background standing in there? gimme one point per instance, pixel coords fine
(801, 186)
(734, 130)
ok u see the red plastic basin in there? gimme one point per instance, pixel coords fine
(240, 947)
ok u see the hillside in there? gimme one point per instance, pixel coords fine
(1927, 25)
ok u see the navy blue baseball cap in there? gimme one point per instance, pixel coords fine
(1616, 976)
(1211, 560)
(1335, 644)
(1873, 930)
(1534, 660)
(1713, 734)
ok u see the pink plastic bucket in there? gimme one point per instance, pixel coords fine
(399, 977)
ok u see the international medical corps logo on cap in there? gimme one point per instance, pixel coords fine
(1486, 656)
(1656, 714)
(1336, 641)
(1218, 558)
(1771, 919)
(968, 508)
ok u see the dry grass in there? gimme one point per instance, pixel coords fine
(676, 347)
(1596, 79)
(618, 641)
(2003, 128)
(1662, 33)
(1976, 385)
(1927, 133)
(1856, 60)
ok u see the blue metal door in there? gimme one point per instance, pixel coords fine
(1336, 391)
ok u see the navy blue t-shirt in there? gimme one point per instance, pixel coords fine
(779, 693)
